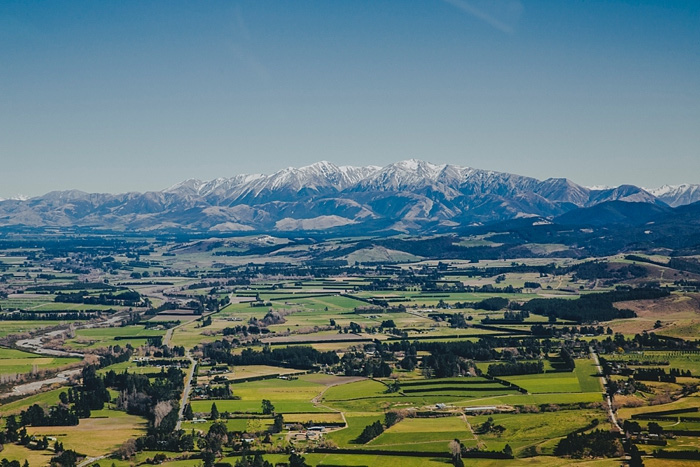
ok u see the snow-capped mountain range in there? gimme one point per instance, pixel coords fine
(407, 196)
(677, 195)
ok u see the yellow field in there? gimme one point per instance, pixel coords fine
(35, 458)
(684, 403)
(95, 436)
(248, 371)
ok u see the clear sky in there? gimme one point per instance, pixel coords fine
(114, 96)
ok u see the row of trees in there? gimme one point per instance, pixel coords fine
(656, 374)
(302, 357)
(91, 395)
(361, 364)
(127, 298)
(13, 463)
(592, 307)
(370, 432)
(516, 368)
(551, 331)
(597, 443)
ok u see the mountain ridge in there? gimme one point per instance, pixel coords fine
(406, 196)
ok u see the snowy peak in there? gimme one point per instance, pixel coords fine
(401, 175)
(326, 178)
(218, 186)
(17, 197)
(324, 174)
(564, 190)
(629, 193)
(677, 195)
(416, 174)
(319, 177)
(191, 186)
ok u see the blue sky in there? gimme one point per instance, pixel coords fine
(133, 95)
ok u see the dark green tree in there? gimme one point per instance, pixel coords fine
(278, 424)
(296, 460)
(508, 451)
(208, 458)
(655, 428)
(267, 407)
(68, 458)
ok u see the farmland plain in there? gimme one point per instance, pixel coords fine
(372, 358)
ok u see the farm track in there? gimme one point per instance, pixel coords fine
(90, 460)
(317, 400)
(469, 426)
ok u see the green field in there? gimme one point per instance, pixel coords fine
(356, 422)
(18, 327)
(292, 396)
(18, 362)
(418, 431)
(535, 429)
(104, 337)
(662, 359)
(236, 424)
(582, 379)
(45, 398)
(359, 389)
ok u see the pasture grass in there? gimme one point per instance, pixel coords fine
(286, 395)
(27, 364)
(103, 432)
(420, 430)
(532, 429)
(582, 379)
(35, 458)
(356, 390)
(233, 424)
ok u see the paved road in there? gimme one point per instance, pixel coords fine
(186, 391)
(190, 374)
(169, 333)
(603, 380)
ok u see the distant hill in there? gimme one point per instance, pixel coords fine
(614, 213)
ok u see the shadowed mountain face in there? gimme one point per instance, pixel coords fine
(408, 196)
(614, 213)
